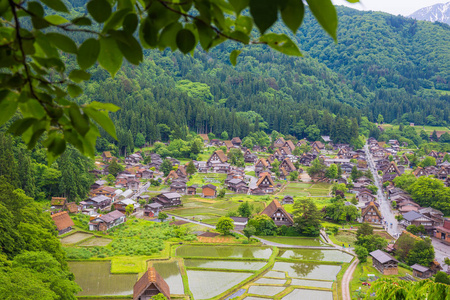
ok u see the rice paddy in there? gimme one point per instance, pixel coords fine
(75, 238)
(317, 255)
(224, 251)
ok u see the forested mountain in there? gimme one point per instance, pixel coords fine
(382, 64)
(435, 13)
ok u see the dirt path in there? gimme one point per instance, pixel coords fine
(346, 295)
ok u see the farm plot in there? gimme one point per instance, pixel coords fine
(316, 255)
(75, 238)
(97, 241)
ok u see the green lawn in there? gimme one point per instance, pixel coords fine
(344, 237)
(201, 179)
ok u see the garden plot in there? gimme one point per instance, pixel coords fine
(309, 295)
(97, 241)
(275, 274)
(265, 290)
(313, 254)
(208, 284)
(171, 274)
(308, 270)
(224, 264)
(75, 238)
(224, 251)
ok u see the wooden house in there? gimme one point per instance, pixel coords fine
(107, 156)
(249, 157)
(415, 218)
(279, 142)
(285, 151)
(265, 183)
(318, 144)
(421, 271)
(442, 174)
(192, 190)
(366, 196)
(228, 144)
(97, 202)
(149, 285)
(72, 208)
(62, 221)
(261, 166)
(209, 191)
(290, 145)
(181, 171)
(205, 138)
(58, 203)
(104, 191)
(133, 184)
(371, 214)
(384, 262)
(301, 143)
(443, 232)
(218, 157)
(178, 186)
(419, 171)
(168, 199)
(238, 186)
(147, 174)
(152, 209)
(278, 214)
(288, 165)
(121, 205)
(288, 200)
(105, 222)
(236, 141)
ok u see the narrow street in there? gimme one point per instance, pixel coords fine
(385, 205)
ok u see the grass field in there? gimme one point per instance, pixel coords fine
(307, 189)
(201, 179)
(427, 128)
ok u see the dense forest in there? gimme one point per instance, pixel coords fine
(382, 65)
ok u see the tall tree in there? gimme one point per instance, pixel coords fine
(307, 217)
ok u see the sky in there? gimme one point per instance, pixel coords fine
(395, 7)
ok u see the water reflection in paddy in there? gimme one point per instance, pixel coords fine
(308, 295)
(225, 251)
(96, 280)
(224, 264)
(308, 270)
(171, 274)
(315, 254)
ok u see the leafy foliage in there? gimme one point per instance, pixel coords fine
(225, 225)
(307, 217)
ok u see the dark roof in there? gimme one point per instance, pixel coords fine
(412, 215)
(171, 195)
(99, 198)
(62, 220)
(239, 219)
(211, 186)
(419, 268)
(382, 256)
(150, 277)
(114, 215)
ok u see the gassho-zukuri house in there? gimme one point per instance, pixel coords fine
(149, 285)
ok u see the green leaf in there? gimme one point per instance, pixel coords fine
(32, 108)
(110, 56)
(326, 15)
(55, 148)
(8, 105)
(353, 1)
(79, 121)
(239, 5)
(63, 42)
(281, 43)
(88, 53)
(56, 20)
(240, 36)
(115, 19)
(21, 125)
(292, 14)
(233, 56)
(185, 40)
(103, 106)
(205, 34)
(244, 24)
(79, 76)
(82, 21)
(102, 119)
(74, 90)
(100, 10)
(129, 46)
(264, 13)
(36, 8)
(169, 34)
(130, 23)
(57, 5)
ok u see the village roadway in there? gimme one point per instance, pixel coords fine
(143, 189)
(441, 251)
(385, 205)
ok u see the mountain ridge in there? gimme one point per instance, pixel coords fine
(435, 13)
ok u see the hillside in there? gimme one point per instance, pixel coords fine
(382, 64)
(434, 13)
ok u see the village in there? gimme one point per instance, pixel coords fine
(364, 185)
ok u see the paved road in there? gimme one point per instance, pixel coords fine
(348, 275)
(385, 205)
(441, 251)
(141, 190)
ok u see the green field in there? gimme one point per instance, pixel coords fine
(201, 179)
(307, 189)
(427, 128)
